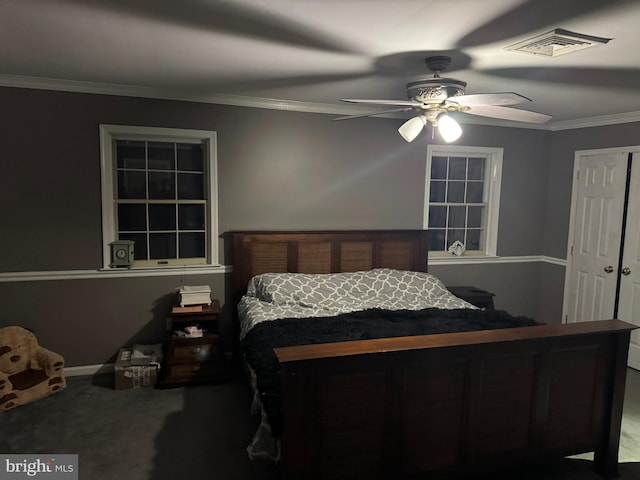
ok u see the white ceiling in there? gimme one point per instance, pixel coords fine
(319, 51)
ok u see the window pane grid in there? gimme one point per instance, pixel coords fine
(457, 202)
(148, 175)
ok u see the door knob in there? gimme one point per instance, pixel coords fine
(608, 269)
(626, 271)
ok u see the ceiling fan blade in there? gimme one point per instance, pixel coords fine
(408, 103)
(236, 18)
(507, 113)
(506, 98)
(349, 117)
(248, 87)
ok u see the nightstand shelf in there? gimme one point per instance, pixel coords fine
(194, 360)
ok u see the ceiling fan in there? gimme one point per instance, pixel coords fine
(434, 98)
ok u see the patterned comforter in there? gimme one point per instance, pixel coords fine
(272, 296)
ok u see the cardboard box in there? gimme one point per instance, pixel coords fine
(128, 375)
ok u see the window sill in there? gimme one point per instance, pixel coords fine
(487, 259)
(162, 270)
(164, 267)
(449, 259)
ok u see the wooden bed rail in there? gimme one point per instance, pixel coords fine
(453, 404)
(394, 344)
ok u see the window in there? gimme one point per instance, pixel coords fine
(462, 198)
(159, 189)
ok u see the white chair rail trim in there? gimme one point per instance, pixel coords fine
(112, 273)
(221, 269)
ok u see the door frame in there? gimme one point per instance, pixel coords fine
(572, 213)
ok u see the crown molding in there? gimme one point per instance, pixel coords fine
(75, 86)
(169, 94)
(628, 117)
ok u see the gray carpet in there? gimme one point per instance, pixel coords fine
(195, 433)
(201, 432)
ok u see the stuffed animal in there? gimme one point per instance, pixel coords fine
(28, 371)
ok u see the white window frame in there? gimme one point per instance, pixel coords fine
(110, 133)
(493, 181)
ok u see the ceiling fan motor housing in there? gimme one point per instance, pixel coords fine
(435, 90)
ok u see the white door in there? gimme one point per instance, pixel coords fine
(604, 258)
(629, 302)
(595, 249)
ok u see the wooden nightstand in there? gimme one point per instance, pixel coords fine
(194, 360)
(475, 296)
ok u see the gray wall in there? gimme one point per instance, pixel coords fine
(277, 170)
(524, 184)
(88, 320)
(564, 144)
(515, 285)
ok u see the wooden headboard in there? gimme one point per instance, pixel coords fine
(325, 252)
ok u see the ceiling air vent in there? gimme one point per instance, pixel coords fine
(557, 42)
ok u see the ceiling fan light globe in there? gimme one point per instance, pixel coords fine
(449, 129)
(410, 129)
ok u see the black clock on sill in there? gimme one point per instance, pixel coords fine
(121, 253)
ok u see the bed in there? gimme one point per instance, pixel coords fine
(451, 404)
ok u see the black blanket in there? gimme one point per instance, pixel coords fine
(259, 343)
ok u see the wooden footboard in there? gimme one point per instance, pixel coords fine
(453, 404)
